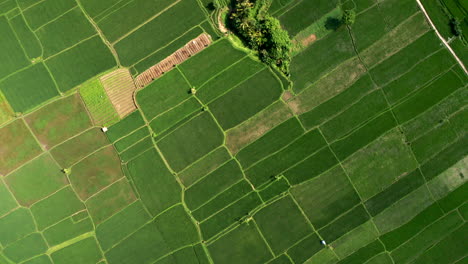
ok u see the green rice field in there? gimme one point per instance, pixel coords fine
(357, 155)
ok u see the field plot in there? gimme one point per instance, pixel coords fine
(15, 225)
(127, 125)
(39, 14)
(109, 201)
(95, 172)
(418, 76)
(342, 77)
(211, 61)
(132, 139)
(394, 160)
(166, 92)
(385, 17)
(231, 77)
(11, 55)
(51, 35)
(332, 107)
(248, 100)
(257, 126)
(6, 112)
(56, 207)
(157, 187)
(354, 116)
(299, 149)
(221, 200)
(79, 147)
(68, 114)
(390, 43)
(215, 157)
(91, 56)
(332, 195)
(204, 166)
(67, 229)
(169, 120)
(170, 231)
(299, 16)
(36, 180)
(27, 38)
(191, 48)
(18, 146)
(186, 255)
(135, 45)
(213, 184)
(120, 88)
(272, 141)
(291, 220)
(405, 59)
(25, 248)
(84, 251)
(7, 199)
(242, 244)
(195, 138)
(402, 211)
(308, 68)
(166, 51)
(98, 104)
(7, 6)
(122, 224)
(17, 88)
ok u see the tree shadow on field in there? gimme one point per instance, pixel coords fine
(333, 23)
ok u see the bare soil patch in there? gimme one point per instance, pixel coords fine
(309, 40)
(287, 95)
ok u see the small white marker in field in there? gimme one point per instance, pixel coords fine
(104, 129)
(323, 242)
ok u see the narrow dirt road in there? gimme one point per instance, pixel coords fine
(442, 38)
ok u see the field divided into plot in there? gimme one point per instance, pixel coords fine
(223, 161)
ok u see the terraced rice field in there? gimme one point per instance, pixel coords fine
(135, 132)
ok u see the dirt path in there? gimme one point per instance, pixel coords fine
(442, 38)
(221, 25)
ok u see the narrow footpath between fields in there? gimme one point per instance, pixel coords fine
(440, 37)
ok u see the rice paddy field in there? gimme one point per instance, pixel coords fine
(359, 155)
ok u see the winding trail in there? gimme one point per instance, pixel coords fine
(441, 38)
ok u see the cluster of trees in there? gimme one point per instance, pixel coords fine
(455, 26)
(261, 32)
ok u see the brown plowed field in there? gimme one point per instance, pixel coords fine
(120, 88)
(191, 48)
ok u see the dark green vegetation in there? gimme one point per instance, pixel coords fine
(226, 159)
(18, 87)
(262, 32)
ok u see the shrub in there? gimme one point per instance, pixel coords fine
(349, 17)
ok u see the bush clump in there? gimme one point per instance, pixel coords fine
(455, 26)
(349, 17)
(261, 32)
